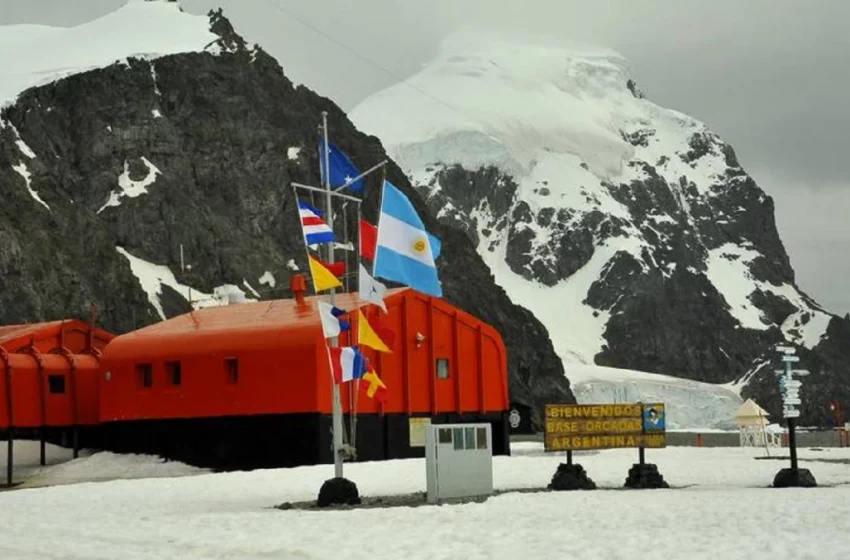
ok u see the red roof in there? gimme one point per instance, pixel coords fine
(283, 322)
(13, 337)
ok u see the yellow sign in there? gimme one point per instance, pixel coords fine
(604, 426)
(418, 431)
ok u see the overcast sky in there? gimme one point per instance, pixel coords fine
(772, 77)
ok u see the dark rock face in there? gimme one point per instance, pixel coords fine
(219, 129)
(828, 380)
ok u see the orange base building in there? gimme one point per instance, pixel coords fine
(249, 385)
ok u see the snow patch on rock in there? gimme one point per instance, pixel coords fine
(250, 288)
(22, 170)
(130, 188)
(268, 278)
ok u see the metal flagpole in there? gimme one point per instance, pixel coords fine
(371, 169)
(337, 405)
(347, 273)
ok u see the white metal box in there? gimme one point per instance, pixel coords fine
(459, 461)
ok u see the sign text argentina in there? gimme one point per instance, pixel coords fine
(604, 426)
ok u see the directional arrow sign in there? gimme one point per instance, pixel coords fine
(791, 414)
(793, 383)
(791, 401)
(790, 358)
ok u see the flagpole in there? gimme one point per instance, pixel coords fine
(335, 393)
(378, 223)
(352, 181)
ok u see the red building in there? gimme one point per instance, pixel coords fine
(249, 385)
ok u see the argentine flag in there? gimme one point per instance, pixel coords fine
(405, 252)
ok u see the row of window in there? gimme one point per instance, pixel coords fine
(463, 438)
(174, 373)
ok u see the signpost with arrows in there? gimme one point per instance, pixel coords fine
(790, 390)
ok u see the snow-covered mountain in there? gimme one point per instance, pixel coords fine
(630, 230)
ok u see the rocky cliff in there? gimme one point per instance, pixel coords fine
(106, 173)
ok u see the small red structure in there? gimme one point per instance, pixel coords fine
(49, 382)
(249, 385)
(49, 374)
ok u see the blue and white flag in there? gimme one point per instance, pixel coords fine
(342, 170)
(332, 325)
(314, 226)
(405, 252)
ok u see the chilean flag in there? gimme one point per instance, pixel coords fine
(347, 363)
(315, 229)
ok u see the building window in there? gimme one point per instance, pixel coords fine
(445, 435)
(457, 436)
(470, 438)
(442, 368)
(231, 369)
(482, 438)
(175, 373)
(145, 373)
(56, 383)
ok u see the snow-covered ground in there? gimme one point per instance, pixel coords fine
(62, 468)
(690, 405)
(720, 507)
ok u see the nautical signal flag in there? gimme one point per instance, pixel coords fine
(370, 290)
(405, 251)
(332, 325)
(323, 279)
(371, 333)
(368, 240)
(347, 363)
(374, 386)
(342, 170)
(315, 229)
(337, 269)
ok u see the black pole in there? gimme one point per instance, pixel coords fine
(10, 454)
(792, 444)
(641, 456)
(42, 446)
(569, 456)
